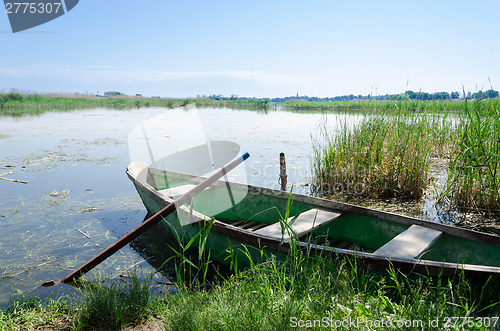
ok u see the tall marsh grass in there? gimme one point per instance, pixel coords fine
(384, 155)
(402, 103)
(474, 169)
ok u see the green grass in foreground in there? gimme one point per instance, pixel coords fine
(270, 296)
(109, 306)
(113, 305)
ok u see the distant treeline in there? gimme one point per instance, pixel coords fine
(408, 95)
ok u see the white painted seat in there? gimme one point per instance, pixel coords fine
(177, 191)
(410, 244)
(305, 222)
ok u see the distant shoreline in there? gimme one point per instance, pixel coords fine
(16, 104)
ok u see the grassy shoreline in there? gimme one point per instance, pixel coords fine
(16, 104)
(299, 292)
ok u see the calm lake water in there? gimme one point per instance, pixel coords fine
(78, 199)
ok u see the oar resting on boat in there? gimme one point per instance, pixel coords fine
(158, 216)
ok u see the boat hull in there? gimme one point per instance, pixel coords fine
(476, 254)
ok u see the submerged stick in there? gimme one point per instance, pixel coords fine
(14, 180)
(147, 224)
(28, 268)
(86, 235)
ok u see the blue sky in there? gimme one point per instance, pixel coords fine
(257, 48)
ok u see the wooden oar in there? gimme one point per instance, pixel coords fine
(147, 223)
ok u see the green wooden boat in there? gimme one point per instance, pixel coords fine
(255, 218)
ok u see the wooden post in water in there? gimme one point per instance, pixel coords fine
(283, 172)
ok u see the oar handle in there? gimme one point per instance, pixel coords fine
(209, 181)
(140, 229)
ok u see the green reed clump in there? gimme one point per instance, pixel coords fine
(402, 103)
(325, 105)
(114, 304)
(384, 155)
(11, 97)
(474, 170)
(194, 266)
(235, 104)
(106, 305)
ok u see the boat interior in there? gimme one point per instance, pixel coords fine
(272, 213)
(317, 225)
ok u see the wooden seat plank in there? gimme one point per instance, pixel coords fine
(257, 226)
(410, 244)
(177, 190)
(305, 222)
(249, 224)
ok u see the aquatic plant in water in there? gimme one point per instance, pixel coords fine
(385, 155)
(474, 169)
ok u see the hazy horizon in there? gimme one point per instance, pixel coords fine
(257, 49)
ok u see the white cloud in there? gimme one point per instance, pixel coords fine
(114, 74)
